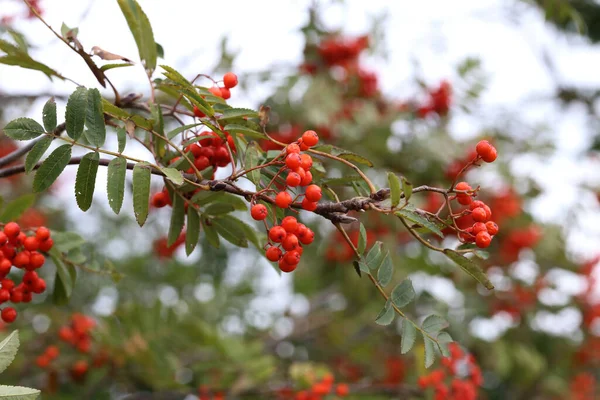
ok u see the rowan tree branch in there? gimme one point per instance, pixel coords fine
(15, 155)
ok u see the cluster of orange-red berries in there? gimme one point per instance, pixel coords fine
(483, 229)
(320, 389)
(457, 389)
(23, 252)
(291, 235)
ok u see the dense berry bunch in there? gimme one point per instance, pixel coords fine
(438, 102)
(22, 251)
(320, 389)
(458, 379)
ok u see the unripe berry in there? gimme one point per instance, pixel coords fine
(273, 254)
(290, 224)
(310, 138)
(492, 227)
(292, 257)
(283, 199)
(230, 80)
(285, 267)
(12, 230)
(479, 215)
(486, 151)
(277, 234)
(9, 314)
(306, 161)
(313, 193)
(483, 240)
(293, 179)
(290, 242)
(259, 212)
(293, 160)
(309, 205)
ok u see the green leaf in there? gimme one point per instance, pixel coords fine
(247, 132)
(121, 138)
(407, 188)
(36, 152)
(75, 115)
(85, 181)
(219, 209)
(204, 197)
(49, 115)
(176, 77)
(177, 220)
(115, 183)
(253, 154)
(180, 129)
(211, 234)
(199, 102)
(23, 129)
(17, 207)
(67, 241)
(238, 113)
(355, 158)
(114, 111)
(51, 168)
(160, 144)
(394, 183)
(106, 67)
(362, 239)
(173, 175)
(403, 293)
(434, 323)
(8, 350)
(444, 339)
(470, 268)
(23, 60)
(374, 256)
(140, 27)
(192, 231)
(386, 270)
(65, 279)
(18, 393)
(230, 230)
(417, 218)
(342, 181)
(409, 334)
(96, 130)
(65, 31)
(141, 191)
(429, 351)
(386, 315)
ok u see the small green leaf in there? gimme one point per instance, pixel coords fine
(23, 129)
(355, 158)
(160, 144)
(238, 113)
(8, 350)
(140, 28)
(417, 218)
(386, 315)
(192, 232)
(407, 188)
(409, 334)
(230, 230)
(211, 234)
(394, 183)
(106, 67)
(444, 339)
(85, 181)
(65, 31)
(429, 351)
(362, 239)
(67, 241)
(173, 175)
(114, 111)
(219, 209)
(49, 115)
(177, 220)
(374, 256)
(75, 115)
(180, 129)
(18, 393)
(252, 157)
(36, 152)
(403, 294)
(434, 323)
(176, 77)
(94, 121)
(65, 278)
(386, 270)
(51, 168)
(247, 132)
(470, 268)
(121, 138)
(17, 207)
(141, 191)
(115, 183)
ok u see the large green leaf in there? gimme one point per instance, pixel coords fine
(51, 168)
(76, 112)
(121, 139)
(17, 207)
(173, 175)
(375, 256)
(211, 234)
(18, 57)
(230, 229)
(192, 232)
(253, 154)
(177, 219)
(444, 339)
(94, 121)
(141, 191)
(386, 270)
(160, 144)
(386, 315)
(140, 27)
(8, 350)
(115, 183)
(362, 239)
(18, 393)
(419, 219)
(470, 268)
(403, 293)
(238, 113)
(429, 351)
(36, 152)
(23, 129)
(49, 115)
(395, 190)
(434, 324)
(85, 181)
(409, 334)
(65, 279)
(247, 132)
(67, 241)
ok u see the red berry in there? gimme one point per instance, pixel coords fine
(273, 253)
(5, 266)
(342, 390)
(292, 257)
(12, 230)
(293, 179)
(479, 215)
(52, 352)
(306, 237)
(42, 233)
(225, 93)
(475, 204)
(313, 193)
(3, 238)
(21, 259)
(198, 113)
(216, 91)
(306, 161)
(488, 211)
(309, 205)
(479, 227)
(290, 224)
(283, 199)
(8, 284)
(259, 212)
(310, 138)
(230, 80)
(201, 163)
(27, 297)
(16, 296)
(29, 278)
(462, 186)
(79, 369)
(39, 286)
(492, 227)
(302, 145)
(46, 245)
(293, 160)
(483, 239)
(486, 151)
(36, 260)
(292, 148)
(4, 296)
(42, 361)
(277, 234)
(160, 199)
(464, 199)
(307, 179)
(9, 314)
(66, 334)
(290, 242)
(285, 267)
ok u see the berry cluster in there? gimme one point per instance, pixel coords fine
(77, 333)
(291, 235)
(230, 81)
(438, 102)
(583, 387)
(23, 252)
(320, 389)
(463, 372)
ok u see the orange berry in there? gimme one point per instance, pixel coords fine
(259, 212)
(230, 80)
(283, 199)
